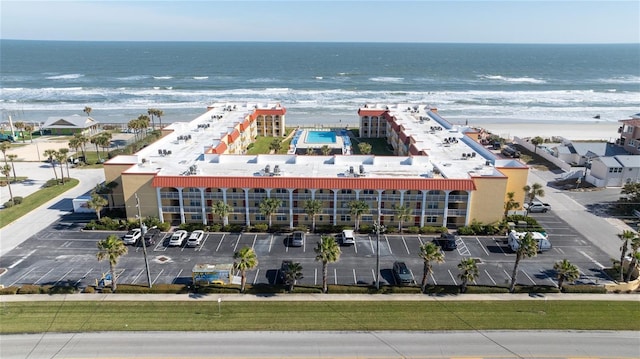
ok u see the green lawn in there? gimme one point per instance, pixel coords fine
(34, 201)
(34, 317)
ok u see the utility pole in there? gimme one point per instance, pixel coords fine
(378, 228)
(143, 232)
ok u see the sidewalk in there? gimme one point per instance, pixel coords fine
(312, 297)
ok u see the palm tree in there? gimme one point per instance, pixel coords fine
(159, 113)
(565, 271)
(429, 252)
(325, 149)
(275, 145)
(60, 157)
(528, 247)
(364, 148)
(74, 144)
(313, 207)
(152, 113)
(222, 209)
(50, 154)
(4, 146)
(468, 272)
(403, 213)
(310, 151)
(244, 259)
(269, 206)
(104, 141)
(20, 126)
(625, 236)
(535, 142)
(82, 141)
(65, 153)
(144, 122)
(6, 171)
(357, 209)
(11, 158)
(327, 251)
(97, 202)
(292, 273)
(111, 249)
(87, 110)
(510, 204)
(29, 129)
(533, 191)
(635, 246)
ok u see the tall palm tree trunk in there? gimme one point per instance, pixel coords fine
(325, 270)
(113, 276)
(425, 276)
(514, 274)
(243, 280)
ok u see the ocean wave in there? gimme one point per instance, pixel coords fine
(620, 80)
(263, 80)
(162, 77)
(200, 77)
(133, 78)
(387, 79)
(65, 77)
(527, 80)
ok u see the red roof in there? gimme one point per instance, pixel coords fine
(233, 136)
(631, 122)
(371, 112)
(270, 111)
(306, 182)
(245, 125)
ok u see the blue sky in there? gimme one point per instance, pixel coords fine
(513, 21)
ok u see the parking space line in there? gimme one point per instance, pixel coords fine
(253, 244)
(22, 259)
(388, 244)
(158, 276)
(371, 244)
(221, 239)
(405, 245)
(235, 247)
(83, 277)
(499, 244)
(463, 250)
(482, 246)
(270, 242)
(178, 275)
(315, 276)
(199, 248)
(355, 280)
(255, 278)
(508, 275)
(452, 277)
(592, 260)
(490, 277)
(433, 279)
(526, 275)
(373, 274)
(135, 279)
(61, 278)
(41, 278)
(420, 240)
(559, 250)
(335, 276)
(22, 276)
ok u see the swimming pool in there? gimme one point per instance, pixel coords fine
(321, 137)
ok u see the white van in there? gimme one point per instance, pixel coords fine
(514, 240)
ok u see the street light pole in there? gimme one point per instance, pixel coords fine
(378, 228)
(143, 232)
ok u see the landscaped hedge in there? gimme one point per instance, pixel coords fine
(482, 289)
(9, 290)
(584, 288)
(536, 289)
(30, 289)
(157, 288)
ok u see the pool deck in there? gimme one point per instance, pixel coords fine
(303, 142)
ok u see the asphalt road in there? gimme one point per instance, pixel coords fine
(396, 344)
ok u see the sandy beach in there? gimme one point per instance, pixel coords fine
(577, 131)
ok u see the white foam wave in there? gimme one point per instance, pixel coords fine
(133, 78)
(528, 80)
(65, 77)
(200, 77)
(162, 77)
(621, 80)
(263, 80)
(386, 79)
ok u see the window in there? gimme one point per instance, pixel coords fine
(368, 191)
(260, 217)
(432, 205)
(281, 218)
(281, 190)
(431, 219)
(196, 217)
(345, 218)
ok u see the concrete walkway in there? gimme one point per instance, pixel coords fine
(313, 297)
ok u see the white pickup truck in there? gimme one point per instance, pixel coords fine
(514, 240)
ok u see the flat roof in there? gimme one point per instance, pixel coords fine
(449, 153)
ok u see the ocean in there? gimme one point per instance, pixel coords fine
(319, 83)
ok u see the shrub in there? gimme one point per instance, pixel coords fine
(584, 288)
(89, 289)
(306, 289)
(9, 290)
(29, 289)
(413, 229)
(536, 289)
(260, 227)
(391, 229)
(59, 289)
(17, 200)
(433, 230)
(234, 228)
(106, 290)
(364, 228)
(52, 182)
(481, 289)
(190, 227)
(465, 231)
(215, 228)
(8, 204)
(209, 289)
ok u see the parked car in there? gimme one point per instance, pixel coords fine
(195, 239)
(151, 237)
(284, 266)
(509, 151)
(402, 273)
(537, 207)
(177, 238)
(297, 239)
(132, 236)
(347, 238)
(446, 241)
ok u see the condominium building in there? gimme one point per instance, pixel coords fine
(440, 174)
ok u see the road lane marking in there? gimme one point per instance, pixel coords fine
(235, 247)
(199, 248)
(452, 277)
(158, 276)
(335, 276)
(591, 259)
(41, 278)
(355, 280)
(315, 276)
(61, 278)
(253, 244)
(482, 246)
(526, 275)
(22, 259)
(255, 278)
(24, 275)
(83, 277)
(270, 242)
(135, 279)
(388, 244)
(405, 245)
(219, 244)
(433, 278)
(373, 274)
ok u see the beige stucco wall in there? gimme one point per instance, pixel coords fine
(139, 183)
(517, 179)
(483, 205)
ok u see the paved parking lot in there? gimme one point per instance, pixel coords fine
(64, 253)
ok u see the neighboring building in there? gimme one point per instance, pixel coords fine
(630, 134)
(614, 171)
(581, 153)
(440, 172)
(71, 125)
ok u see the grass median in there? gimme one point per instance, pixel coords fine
(34, 201)
(35, 317)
